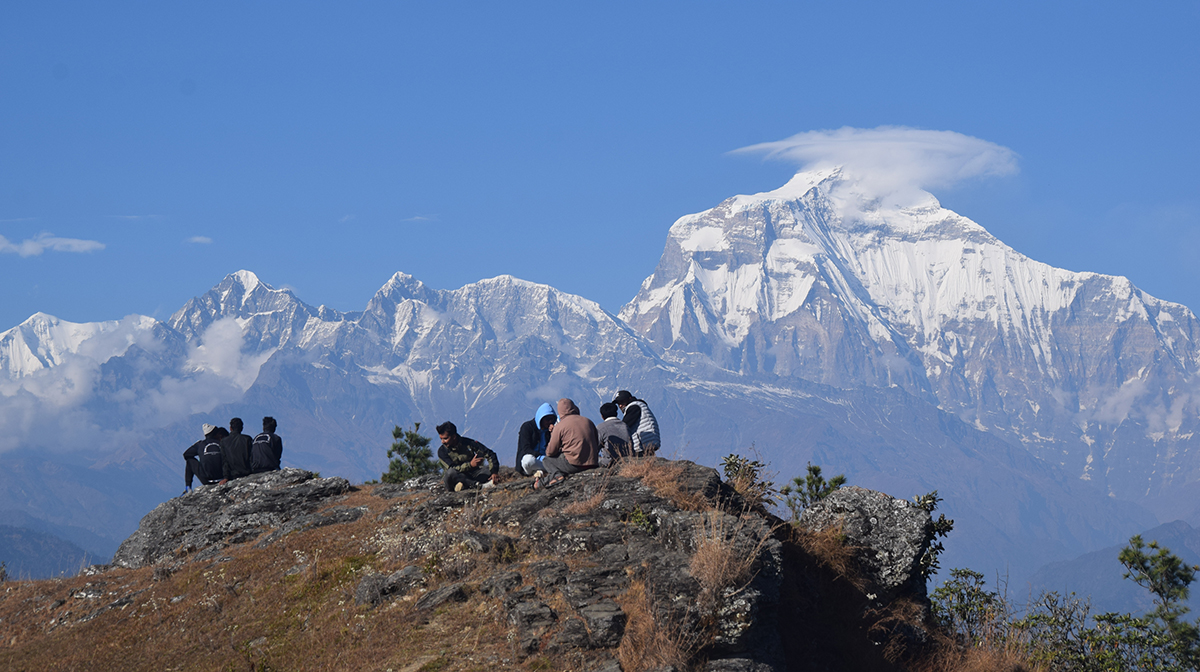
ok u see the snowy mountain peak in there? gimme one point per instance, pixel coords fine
(247, 279)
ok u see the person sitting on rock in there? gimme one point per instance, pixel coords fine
(203, 459)
(615, 442)
(267, 448)
(463, 459)
(235, 452)
(643, 428)
(574, 446)
(532, 440)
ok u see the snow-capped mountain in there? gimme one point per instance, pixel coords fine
(820, 281)
(905, 347)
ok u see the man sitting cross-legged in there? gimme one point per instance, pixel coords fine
(463, 460)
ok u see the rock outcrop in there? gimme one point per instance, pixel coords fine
(651, 565)
(891, 536)
(204, 522)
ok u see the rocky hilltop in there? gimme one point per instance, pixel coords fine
(655, 565)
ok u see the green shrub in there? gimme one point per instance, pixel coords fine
(410, 456)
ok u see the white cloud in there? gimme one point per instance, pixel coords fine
(199, 240)
(420, 218)
(32, 247)
(345, 218)
(894, 158)
(67, 405)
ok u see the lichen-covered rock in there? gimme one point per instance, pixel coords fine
(206, 521)
(890, 535)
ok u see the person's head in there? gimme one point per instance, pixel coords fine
(207, 429)
(269, 425)
(567, 407)
(623, 398)
(608, 410)
(448, 433)
(545, 416)
(220, 433)
(235, 425)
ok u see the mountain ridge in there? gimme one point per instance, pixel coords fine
(863, 402)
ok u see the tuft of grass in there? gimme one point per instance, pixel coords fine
(664, 478)
(829, 547)
(718, 563)
(649, 643)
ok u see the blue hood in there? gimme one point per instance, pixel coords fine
(543, 411)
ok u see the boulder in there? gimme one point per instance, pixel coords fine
(889, 536)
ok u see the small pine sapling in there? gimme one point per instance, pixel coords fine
(806, 491)
(410, 456)
(748, 478)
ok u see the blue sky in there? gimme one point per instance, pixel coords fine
(326, 146)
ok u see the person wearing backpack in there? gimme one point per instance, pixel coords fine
(267, 449)
(615, 442)
(203, 459)
(235, 452)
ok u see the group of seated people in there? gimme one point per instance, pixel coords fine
(556, 443)
(225, 454)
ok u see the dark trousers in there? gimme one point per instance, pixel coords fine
(559, 466)
(193, 469)
(470, 477)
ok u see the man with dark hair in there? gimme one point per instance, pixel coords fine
(235, 452)
(532, 439)
(267, 449)
(463, 460)
(643, 428)
(615, 442)
(203, 459)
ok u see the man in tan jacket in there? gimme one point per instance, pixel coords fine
(573, 446)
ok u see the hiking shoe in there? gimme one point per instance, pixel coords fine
(488, 484)
(539, 473)
(458, 487)
(185, 492)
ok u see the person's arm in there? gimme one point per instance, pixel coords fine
(526, 441)
(489, 455)
(633, 415)
(225, 462)
(554, 447)
(193, 450)
(278, 441)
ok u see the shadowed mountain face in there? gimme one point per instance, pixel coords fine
(904, 347)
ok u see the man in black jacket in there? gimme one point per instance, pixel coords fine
(203, 458)
(267, 449)
(463, 460)
(235, 452)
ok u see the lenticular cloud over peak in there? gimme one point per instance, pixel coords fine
(889, 159)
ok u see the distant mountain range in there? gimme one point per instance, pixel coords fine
(901, 345)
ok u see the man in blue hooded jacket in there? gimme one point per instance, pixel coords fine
(532, 439)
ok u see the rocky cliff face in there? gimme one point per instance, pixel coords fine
(657, 565)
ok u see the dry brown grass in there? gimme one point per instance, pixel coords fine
(665, 478)
(829, 548)
(288, 606)
(718, 563)
(648, 643)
